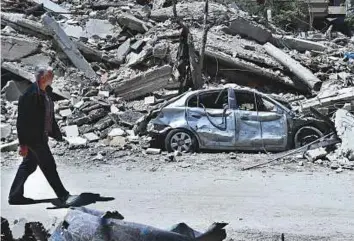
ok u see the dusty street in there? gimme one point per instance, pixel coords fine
(302, 202)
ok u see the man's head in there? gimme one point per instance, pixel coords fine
(44, 76)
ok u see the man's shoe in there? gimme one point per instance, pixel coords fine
(70, 200)
(21, 201)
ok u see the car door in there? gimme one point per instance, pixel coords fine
(260, 123)
(209, 115)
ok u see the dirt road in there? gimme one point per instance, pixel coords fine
(257, 204)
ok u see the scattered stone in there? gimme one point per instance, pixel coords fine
(65, 113)
(116, 132)
(334, 165)
(12, 91)
(177, 153)
(170, 158)
(76, 141)
(160, 50)
(313, 155)
(138, 45)
(153, 151)
(114, 109)
(91, 137)
(123, 51)
(149, 100)
(233, 156)
(71, 131)
(103, 93)
(118, 141)
(79, 104)
(12, 146)
(5, 130)
(301, 163)
(339, 170)
(319, 161)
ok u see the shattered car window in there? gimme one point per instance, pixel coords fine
(245, 101)
(265, 105)
(211, 100)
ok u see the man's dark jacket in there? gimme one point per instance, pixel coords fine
(30, 119)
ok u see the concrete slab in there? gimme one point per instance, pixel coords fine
(98, 27)
(71, 131)
(14, 48)
(38, 59)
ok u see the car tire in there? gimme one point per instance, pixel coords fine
(181, 140)
(306, 135)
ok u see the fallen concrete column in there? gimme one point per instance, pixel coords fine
(144, 83)
(13, 48)
(299, 44)
(68, 47)
(304, 75)
(339, 96)
(242, 65)
(246, 28)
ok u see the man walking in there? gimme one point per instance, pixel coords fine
(35, 123)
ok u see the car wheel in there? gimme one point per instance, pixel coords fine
(180, 140)
(305, 135)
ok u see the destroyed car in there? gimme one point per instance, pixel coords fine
(232, 118)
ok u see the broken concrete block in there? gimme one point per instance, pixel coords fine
(137, 46)
(11, 90)
(153, 151)
(334, 165)
(71, 131)
(53, 6)
(38, 59)
(246, 28)
(144, 83)
(160, 50)
(75, 142)
(132, 23)
(98, 27)
(65, 113)
(91, 137)
(12, 146)
(14, 48)
(5, 130)
(118, 141)
(103, 93)
(79, 104)
(114, 109)
(123, 50)
(345, 130)
(68, 47)
(134, 59)
(149, 100)
(313, 155)
(116, 132)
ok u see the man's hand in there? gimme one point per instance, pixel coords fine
(23, 151)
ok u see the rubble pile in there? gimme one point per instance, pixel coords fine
(116, 61)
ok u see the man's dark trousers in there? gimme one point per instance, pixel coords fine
(38, 155)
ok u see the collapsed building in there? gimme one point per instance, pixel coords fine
(116, 62)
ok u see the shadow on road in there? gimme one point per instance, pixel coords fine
(83, 200)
